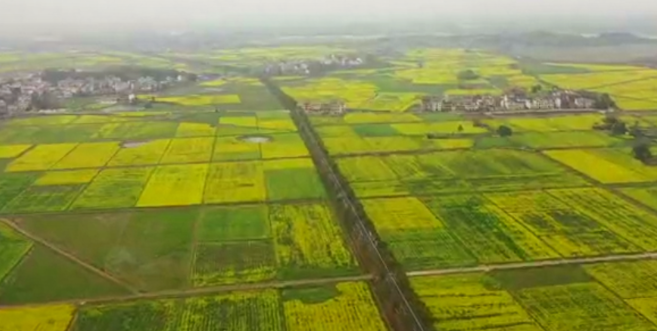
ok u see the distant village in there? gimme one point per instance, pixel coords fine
(514, 99)
(309, 67)
(37, 91)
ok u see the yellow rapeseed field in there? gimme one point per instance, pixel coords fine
(88, 155)
(41, 157)
(186, 129)
(10, 151)
(233, 148)
(67, 177)
(188, 150)
(140, 154)
(248, 121)
(234, 182)
(400, 214)
(353, 309)
(599, 168)
(174, 185)
(201, 99)
(467, 302)
(40, 318)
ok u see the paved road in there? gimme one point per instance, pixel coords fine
(523, 265)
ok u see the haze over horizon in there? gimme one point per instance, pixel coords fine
(28, 14)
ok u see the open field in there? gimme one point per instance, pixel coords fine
(344, 306)
(606, 296)
(199, 247)
(614, 165)
(465, 230)
(451, 172)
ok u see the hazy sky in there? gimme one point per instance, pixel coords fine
(181, 12)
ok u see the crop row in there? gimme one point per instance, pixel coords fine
(85, 128)
(444, 172)
(161, 151)
(164, 185)
(345, 306)
(470, 229)
(608, 296)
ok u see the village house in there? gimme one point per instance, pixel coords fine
(333, 107)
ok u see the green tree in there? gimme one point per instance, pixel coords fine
(504, 131)
(619, 128)
(641, 151)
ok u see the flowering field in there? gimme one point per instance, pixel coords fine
(351, 308)
(146, 153)
(174, 185)
(308, 242)
(39, 318)
(606, 165)
(188, 150)
(11, 151)
(114, 188)
(596, 296)
(444, 172)
(88, 155)
(41, 157)
(347, 306)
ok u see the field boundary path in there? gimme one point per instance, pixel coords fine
(535, 264)
(202, 291)
(400, 306)
(69, 256)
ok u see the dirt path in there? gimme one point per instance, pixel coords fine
(523, 265)
(69, 256)
(203, 291)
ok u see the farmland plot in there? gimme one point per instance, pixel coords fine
(487, 232)
(11, 151)
(471, 302)
(351, 308)
(219, 224)
(174, 185)
(41, 157)
(187, 129)
(463, 171)
(606, 165)
(12, 249)
(235, 149)
(44, 198)
(234, 182)
(308, 242)
(283, 146)
(235, 311)
(11, 185)
(188, 150)
(142, 153)
(88, 155)
(628, 280)
(41, 318)
(574, 224)
(234, 262)
(579, 307)
(67, 177)
(292, 179)
(114, 188)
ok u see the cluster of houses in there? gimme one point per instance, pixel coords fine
(331, 107)
(307, 67)
(18, 93)
(513, 100)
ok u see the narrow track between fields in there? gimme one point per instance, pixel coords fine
(526, 265)
(202, 291)
(69, 256)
